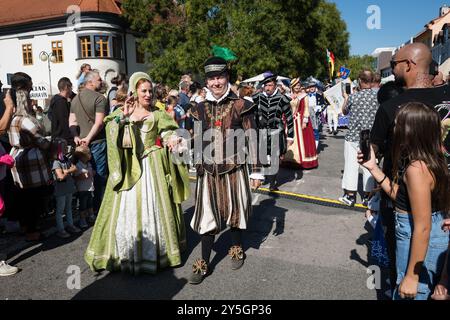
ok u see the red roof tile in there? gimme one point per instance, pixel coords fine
(18, 12)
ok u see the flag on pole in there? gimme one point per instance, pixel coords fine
(344, 73)
(331, 60)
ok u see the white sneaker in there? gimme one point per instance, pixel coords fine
(348, 200)
(7, 270)
(63, 234)
(73, 229)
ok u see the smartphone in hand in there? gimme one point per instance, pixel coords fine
(348, 88)
(364, 144)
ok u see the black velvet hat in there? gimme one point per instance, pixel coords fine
(215, 66)
(268, 77)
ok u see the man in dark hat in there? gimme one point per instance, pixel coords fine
(223, 191)
(272, 107)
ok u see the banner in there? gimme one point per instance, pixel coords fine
(335, 97)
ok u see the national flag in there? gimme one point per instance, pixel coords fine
(344, 73)
(331, 59)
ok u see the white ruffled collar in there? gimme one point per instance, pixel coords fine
(211, 98)
(275, 92)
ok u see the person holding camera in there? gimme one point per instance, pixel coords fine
(5, 268)
(30, 148)
(362, 107)
(414, 69)
(419, 190)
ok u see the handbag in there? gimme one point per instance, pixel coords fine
(126, 139)
(378, 251)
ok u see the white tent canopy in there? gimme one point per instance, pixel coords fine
(260, 78)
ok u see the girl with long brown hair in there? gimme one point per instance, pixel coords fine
(420, 192)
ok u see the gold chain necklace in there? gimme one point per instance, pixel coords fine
(217, 119)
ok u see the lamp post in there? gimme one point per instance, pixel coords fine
(49, 57)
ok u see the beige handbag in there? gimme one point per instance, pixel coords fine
(126, 140)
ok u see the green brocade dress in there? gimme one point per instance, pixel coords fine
(140, 225)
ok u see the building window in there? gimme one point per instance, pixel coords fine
(140, 58)
(117, 47)
(85, 44)
(27, 52)
(101, 46)
(57, 51)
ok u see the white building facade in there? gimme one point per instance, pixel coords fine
(99, 39)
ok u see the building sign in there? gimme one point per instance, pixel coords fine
(39, 92)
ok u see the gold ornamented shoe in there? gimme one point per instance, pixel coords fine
(199, 271)
(237, 257)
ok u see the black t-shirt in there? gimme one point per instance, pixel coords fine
(60, 110)
(382, 130)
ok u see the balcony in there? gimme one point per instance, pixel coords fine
(441, 52)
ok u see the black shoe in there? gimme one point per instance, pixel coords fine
(199, 271)
(335, 132)
(237, 257)
(273, 187)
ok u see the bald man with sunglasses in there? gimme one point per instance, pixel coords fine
(411, 67)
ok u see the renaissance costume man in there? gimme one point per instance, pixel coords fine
(273, 116)
(223, 191)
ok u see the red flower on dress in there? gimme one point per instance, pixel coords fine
(218, 123)
(158, 142)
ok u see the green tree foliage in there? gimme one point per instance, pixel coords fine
(288, 37)
(356, 64)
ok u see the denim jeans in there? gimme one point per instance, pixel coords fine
(100, 165)
(86, 200)
(63, 204)
(434, 260)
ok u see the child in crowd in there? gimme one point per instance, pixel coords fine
(84, 178)
(63, 169)
(170, 107)
(119, 100)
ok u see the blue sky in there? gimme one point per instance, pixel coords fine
(400, 20)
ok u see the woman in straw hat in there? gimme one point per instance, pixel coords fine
(302, 153)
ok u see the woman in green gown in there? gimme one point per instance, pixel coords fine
(140, 226)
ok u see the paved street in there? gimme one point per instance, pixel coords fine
(295, 250)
